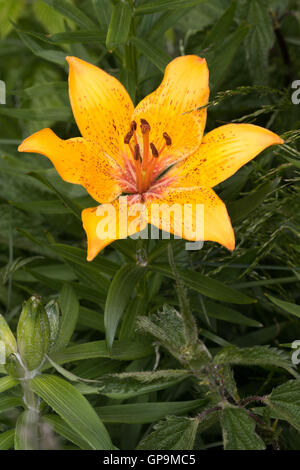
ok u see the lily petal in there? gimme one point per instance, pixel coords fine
(109, 222)
(77, 161)
(101, 106)
(222, 152)
(184, 87)
(199, 214)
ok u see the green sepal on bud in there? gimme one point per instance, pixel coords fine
(33, 333)
(7, 337)
(53, 312)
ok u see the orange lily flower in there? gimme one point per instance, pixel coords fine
(155, 153)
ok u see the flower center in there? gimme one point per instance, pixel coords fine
(145, 154)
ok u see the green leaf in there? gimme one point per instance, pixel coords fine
(241, 208)
(7, 337)
(260, 38)
(146, 412)
(205, 285)
(62, 428)
(102, 9)
(10, 11)
(264, 356)
(74, 208)
(80, 37)
(175, 433)
(118, 296)
(7, 439)
(167, 20)
(167, 328)
(130, 384)
(70, 310)
(17, 264)
(78, 256)
(239, 430)
(55, 56)
(35, 114)
(158, 58)
(26, 432)
(119, 26)
(222, 56)
(70, 11)
(53, 313)
(8, 402)
(161, 5)
(136, 308)
(7, 383)
(221, 29)
(73, 408)
(91, 319)
(41, 89)
(222, 312)
(121, 350)
(285, 402)
(189, 322)
(289, 307)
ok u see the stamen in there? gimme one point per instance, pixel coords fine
(137, 152)
(145, 126)
(133, 126)
(154, 150)
(167, 138)
(128, 137)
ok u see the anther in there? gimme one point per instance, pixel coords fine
(128, 137)
(145, 126)
(137, 152)
(154, 150)
(133, 126)
(167, 138)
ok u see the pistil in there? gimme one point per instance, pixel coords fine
(138, 167)
(145, 163)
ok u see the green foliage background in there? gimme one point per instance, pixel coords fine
(205, 365)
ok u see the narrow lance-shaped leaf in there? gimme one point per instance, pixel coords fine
(158, 58)
(70, 310)
(146, 412)
(119, 26)
(161, 5)
(73, 408)
(118, 296)
(70, 11)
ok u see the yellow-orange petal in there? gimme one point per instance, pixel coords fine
(109, 222)
(196, 214)
(101, 106)
(77, 161)
(222, 152)
(184, 88)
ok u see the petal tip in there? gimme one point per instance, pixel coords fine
(73, 61)
(70, 59)
(280, 141)
(21, 147)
